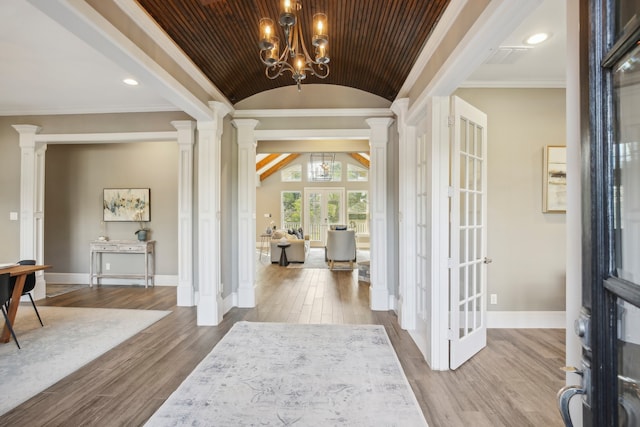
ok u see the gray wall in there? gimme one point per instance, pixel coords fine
(75, 177)
(527, 246)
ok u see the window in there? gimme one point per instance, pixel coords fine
(358, 210)
(336, 173)
(291, 174)
(291, 209)
(357, 173)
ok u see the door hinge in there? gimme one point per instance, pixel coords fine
(450, 263)
(450, 334)
(450, 191)
(450, 121)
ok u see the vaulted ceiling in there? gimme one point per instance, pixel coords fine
(372, 43)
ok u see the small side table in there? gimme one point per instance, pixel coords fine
(283, 254)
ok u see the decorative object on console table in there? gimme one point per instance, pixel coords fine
(142, 229)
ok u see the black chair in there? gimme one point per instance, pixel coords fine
(5, 296)
(29, 284)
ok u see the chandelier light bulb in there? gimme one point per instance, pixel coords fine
(320, 29)
(266, 30)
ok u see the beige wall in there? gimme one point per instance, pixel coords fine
(527, 246)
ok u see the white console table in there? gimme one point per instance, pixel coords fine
(98, 247)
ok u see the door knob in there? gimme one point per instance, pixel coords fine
(487, 260)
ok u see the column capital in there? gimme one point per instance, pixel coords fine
(219, 108)
(400, 108)
(379, 122)
(186, 131)
(245, 123)
(27, 129)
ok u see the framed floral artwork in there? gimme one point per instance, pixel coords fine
(554, 186)
(126, 204)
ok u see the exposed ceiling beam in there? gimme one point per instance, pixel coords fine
(360, 159)
(275, 168)
(264, 162)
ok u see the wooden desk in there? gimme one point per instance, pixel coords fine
(20, 273)
(98, 247)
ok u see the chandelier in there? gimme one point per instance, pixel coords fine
(321, 166)
(294, 49)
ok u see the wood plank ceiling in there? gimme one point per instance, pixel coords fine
(373, 44)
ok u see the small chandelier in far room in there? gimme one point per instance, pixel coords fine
(294, 48)
(321, 166)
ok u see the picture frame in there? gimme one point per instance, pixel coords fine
(126, 205)
(554, 176)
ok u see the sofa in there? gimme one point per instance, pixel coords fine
(298, 250)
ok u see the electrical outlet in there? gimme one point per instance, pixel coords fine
(494, 298)
(107, 266)
(13, 216)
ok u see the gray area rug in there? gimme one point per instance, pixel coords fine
(276, 374)
(315, 259)
(70, 338)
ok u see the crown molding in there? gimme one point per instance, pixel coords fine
(514, 84)
(314, 112)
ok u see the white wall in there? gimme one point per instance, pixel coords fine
(527, 246)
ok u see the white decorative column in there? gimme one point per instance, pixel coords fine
(32, 161)
(210, 309)
(186, 139)
(246, 211)
(378, 141)
(407, 217)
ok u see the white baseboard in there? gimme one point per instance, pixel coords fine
(526, 319)
(229, 302)
(83, 278)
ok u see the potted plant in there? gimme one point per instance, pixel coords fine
(142, 230)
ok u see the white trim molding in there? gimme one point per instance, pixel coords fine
(313, 112)
(247, 144)
(526, 319)
(83, 279)
(186, 140)
(378, 141)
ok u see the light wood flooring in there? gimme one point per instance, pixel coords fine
(511, 382)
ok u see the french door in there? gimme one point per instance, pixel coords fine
(468, 233)
(324, 207)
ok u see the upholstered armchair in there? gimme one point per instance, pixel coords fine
(341, 247)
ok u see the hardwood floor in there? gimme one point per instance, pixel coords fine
(511, 382)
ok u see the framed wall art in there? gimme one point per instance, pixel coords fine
(554, 185)
(126, 204)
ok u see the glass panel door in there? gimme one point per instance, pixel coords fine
(324, 208)
(625, 283)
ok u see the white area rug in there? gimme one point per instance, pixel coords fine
(275, 374)
(70, 338)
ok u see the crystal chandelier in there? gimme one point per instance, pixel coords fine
(295, 49)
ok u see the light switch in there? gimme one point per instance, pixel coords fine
(13, 216)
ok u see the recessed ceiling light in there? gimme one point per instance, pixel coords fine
(130, 82)
(537, 38)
